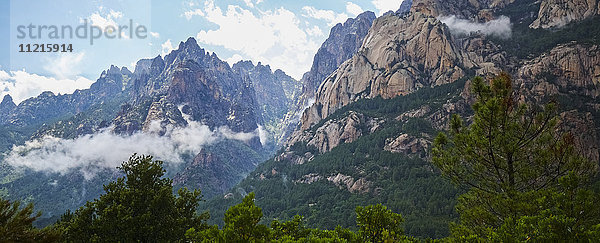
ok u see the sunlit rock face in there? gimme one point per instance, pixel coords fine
(558, 13)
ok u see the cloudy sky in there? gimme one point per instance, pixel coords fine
(283, 34)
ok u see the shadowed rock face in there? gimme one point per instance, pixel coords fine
(47, 105)
(275, 91)
(343, 42)
(7, 105)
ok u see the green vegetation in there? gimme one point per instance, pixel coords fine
(521, 179)
(376, 223)
(390, 108)
(138, 207)
(526, 42)
(16, 224)
(405, 184)
(525, 180)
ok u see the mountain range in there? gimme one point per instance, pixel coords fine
(355, 130)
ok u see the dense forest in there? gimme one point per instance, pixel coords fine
(518, 177)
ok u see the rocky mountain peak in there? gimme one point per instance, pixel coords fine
(245, 65)
(7, 105)
(7, 101)
(142, 66)
(343, 41)
(157, 65)
(125, 71)
(274, 90)
(404, 7)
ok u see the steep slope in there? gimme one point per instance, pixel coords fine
(7, 106)
(276, 93)
(209, 89)
(47, 105)
(343, 42)
(366, 138)
(557, 13)
(188, 91)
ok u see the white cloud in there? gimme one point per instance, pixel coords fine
(386, 5)
(103, 19)
(314, 31)
(330, 16)
(65, 65)
(263, 135)
(233, 59)
(22, 85)
(353, 8)
(166, 47)
(194, 12)
(249, 3)
(154, 34)
(500, 27)
(272, 36)
(106, 150)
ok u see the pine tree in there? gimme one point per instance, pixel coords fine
(376, 223)
(16, 224)
(509, 159)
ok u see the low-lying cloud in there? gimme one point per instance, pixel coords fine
(500, 27)
(105, 149)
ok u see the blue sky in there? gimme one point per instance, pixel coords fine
(283, 34)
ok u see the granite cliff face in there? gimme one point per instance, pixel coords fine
(569, 68)
(406, 52)
(343, 42)
(399, 56)
(558, 13)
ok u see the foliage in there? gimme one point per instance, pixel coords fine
(16, 224)
(524, 178)
(390, 108)
(526, 42)
(376, 223)
(138, 207)
(405, 184)
(241, 222)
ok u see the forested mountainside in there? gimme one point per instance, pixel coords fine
(367, 138)
(467, 120)
(189, 93)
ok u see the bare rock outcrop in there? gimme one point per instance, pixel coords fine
(581, 126)
(360, 185)
(161, 114)
(572, 68)
(557, 13)
(398, 56)
(407, 144)
(337, 131)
